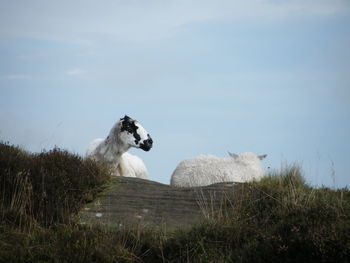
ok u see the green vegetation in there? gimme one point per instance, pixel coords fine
(279, 219)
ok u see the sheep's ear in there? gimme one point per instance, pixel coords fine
(261, 157)
(125, 118)
(233, 155)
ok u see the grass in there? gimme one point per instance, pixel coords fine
(45, 188)
(279, 219)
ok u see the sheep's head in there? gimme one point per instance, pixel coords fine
(133, 134)
(247, 156)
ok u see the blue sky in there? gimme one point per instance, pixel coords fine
(203, 77)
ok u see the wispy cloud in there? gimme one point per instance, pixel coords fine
(15, 76)
(143, 20)
(75, 72)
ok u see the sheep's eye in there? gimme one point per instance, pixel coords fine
(128, 128)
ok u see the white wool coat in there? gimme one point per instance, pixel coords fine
(208, 169)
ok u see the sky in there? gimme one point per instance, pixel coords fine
(201, 76)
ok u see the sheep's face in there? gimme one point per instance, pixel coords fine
(134, 135)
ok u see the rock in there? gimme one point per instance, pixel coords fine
(129, 200)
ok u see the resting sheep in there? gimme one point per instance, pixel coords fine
(208, 169)
(125, 134)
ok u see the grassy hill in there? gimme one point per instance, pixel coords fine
(279, 219)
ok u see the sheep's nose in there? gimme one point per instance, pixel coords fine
(149, 142)
(146, 145)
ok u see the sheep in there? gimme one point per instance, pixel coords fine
(208, 169)
(125, 134)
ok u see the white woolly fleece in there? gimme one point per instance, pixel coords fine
(208, 169)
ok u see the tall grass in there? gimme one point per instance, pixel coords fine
(45, 188)
(279, 219)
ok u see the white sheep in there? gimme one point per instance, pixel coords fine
(208, 169)
(125, 134)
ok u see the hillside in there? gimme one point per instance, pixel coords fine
(59, 207)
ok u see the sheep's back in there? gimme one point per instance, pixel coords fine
(92, 147)
(208, 169)
(133, 166)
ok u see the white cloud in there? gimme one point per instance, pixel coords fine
(138, 20)
(75, 72)
(15, 76)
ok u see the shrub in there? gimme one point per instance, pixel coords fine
(48, 187)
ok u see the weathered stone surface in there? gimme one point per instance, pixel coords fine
(132, 200)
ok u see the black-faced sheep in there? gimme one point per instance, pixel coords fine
(125, 134)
